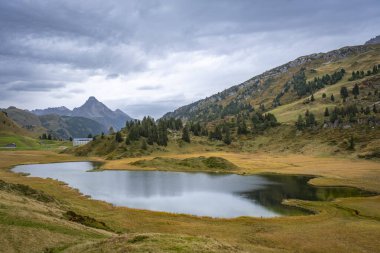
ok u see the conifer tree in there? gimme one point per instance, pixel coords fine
(367, 110)
(162, 139)
(242, 127)
(134, 133)
(144, 145)
(186, 134)
(332, 98)
(344, 93)
(227, 136)
(118, 137)
(327, 112)
(355, 90)
(351, 143)
(300, 124)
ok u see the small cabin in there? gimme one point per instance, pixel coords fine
(81, 141)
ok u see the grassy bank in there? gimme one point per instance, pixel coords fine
(201, 163)
(344, 225)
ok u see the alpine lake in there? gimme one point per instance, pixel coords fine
(216, 195)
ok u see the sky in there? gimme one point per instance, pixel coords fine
(150, 57)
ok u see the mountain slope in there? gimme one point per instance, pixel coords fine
(65, 127)
(26, 120)
(7, 125)
(264, 89)
(11, 132)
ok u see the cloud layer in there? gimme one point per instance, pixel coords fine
(149, 57)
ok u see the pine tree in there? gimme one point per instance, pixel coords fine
(375, 70)
(134, 133)
(300, 124)
(242, 127)
(374, 109)
(310, 120)
(344, 93)
(327, 112)
(118, 137)
(49, 137)
(227, 136)
(367, 110)
(186, 134)
(351, 144)
(355, 90)
(102, 136)
(144, 145)
(324, 95)
(332, 98)
(162, 138)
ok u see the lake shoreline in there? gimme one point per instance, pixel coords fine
(329, 214)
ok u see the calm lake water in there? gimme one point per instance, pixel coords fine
(203, 194)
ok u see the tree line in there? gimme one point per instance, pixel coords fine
(355, 75)
(348, 113)
(302, 87)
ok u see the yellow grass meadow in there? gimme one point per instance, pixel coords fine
(343, 225)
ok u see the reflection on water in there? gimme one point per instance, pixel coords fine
(204, 194)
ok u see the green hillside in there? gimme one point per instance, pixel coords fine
(11, 132)
(261, 91)
(287, 109)
(59, 127)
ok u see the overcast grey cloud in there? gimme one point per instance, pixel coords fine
(149, 57)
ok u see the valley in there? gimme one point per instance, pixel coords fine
(317, 116)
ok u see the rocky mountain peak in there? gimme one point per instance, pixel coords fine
(92, 99)
(373, 41)
(91, 109)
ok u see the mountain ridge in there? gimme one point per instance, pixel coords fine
(92, 109)
(60, 127)
(253, 86)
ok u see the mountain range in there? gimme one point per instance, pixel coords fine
(91, 109)
(93, 117)
(323, 103)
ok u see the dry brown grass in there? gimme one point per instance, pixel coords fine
(336, 228)
(334, 171)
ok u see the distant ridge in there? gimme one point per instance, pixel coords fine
(91, 109)
(61, 127)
